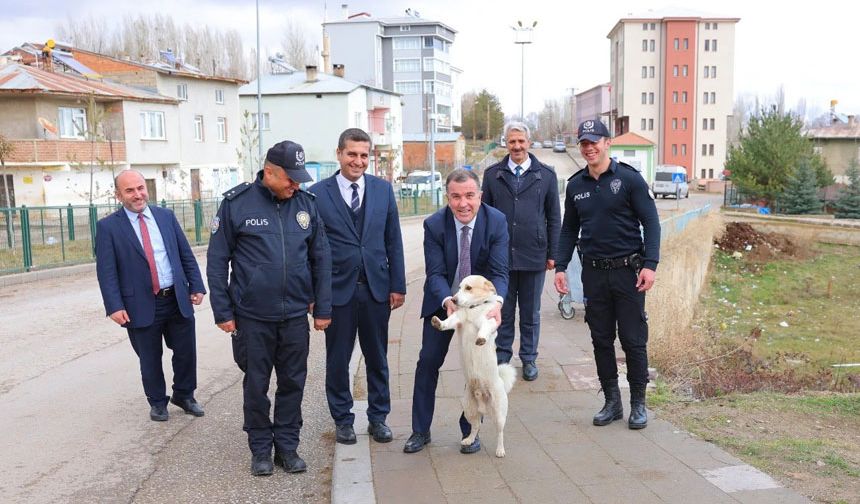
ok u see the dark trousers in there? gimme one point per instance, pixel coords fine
(178, 334)
(611, 299)
(258, 347)
(525, 288)
(370, 319)
(434, 348)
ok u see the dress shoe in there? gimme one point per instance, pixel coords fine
(416, 442)
(379, 432)
(638, 416)
(190, 406)
(612, 409)
(530, 370)
(158, 413)
(475, 447)
(345, 434)
(261, 464)
(290, 461)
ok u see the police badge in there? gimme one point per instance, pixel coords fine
(215, 224)
(615, 185)
(304, 219)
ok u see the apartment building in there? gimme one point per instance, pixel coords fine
(408, 55)
(671, 78)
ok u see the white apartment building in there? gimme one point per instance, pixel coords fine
(672, 82)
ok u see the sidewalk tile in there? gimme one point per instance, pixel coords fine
(772, 496)
(557, 491)
(493, 496)
(395, 487)
(622, 489)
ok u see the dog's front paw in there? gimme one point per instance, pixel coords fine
(500, 451)
(436, 322)
(467, 441)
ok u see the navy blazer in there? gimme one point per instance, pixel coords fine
(380, 248)
(123, 272)
(489, 250)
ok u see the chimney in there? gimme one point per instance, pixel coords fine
(311, 72)
(344, 9)
(338, 70)
(852, 120)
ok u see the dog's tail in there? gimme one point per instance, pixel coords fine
(508, 375)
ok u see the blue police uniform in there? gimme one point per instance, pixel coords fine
(281, 263)
(608, 213)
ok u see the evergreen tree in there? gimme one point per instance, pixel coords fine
(801, 192)
(848, 204)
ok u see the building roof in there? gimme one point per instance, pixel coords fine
(670, 13)
(22, 79)
(849, 131)
(297, 84)
(438, 137)
(364, 17)
(631, 138)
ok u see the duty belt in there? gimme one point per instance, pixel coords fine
(632, 261)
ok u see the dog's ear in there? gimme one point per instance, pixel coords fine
(489, 285)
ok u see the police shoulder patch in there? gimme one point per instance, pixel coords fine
(305, 191)
(239, 189)
(215, 224)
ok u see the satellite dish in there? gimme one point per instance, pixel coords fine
(48, 125)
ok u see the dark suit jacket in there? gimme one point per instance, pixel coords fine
(380, 248)
(489, 253)
(123, 272)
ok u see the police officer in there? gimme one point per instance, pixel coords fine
(604, 206)
(270, 234)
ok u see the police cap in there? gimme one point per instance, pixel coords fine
(592, 130)
(291, 157)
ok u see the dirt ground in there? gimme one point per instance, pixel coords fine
(760, 247)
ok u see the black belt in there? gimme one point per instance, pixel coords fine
(166, 292)
(632, 261)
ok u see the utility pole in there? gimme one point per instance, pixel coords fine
(523, 37)
(475, 121)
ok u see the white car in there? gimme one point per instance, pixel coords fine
(417, 183)
(670, 180)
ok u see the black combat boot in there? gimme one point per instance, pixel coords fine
(612, 408)
(638, 416)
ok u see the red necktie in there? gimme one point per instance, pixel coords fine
(150, 255)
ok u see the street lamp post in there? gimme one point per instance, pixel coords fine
(523, 37)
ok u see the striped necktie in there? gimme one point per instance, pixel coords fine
(464, 268)
(354, 204)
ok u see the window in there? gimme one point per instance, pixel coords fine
(73, 122)
(429, 87)
(707, 26)
(704, 124)
(674, 97)
(705, 98)
(683, 149)
(712, 123)
(644, 45)
(651, 124)
(686, 44)
(684, 97)
(651, 45)
(707, 45)
(428, 41)
(645, 26)
(707, 71)
(677, 43)
(674, 149)
(651, 98)
(436, 65)
(629, 153)
(407, 65)
(407, 87)
(683, 123)
(675, 70)
(265, 126)
(713, 97)
(407, 43)
(152, 125)
(198, 128)
(714, 26)
(713, 72)
(644, 72)
(653, 26)
(674, 123)
(182, 91)
(219, 96)
(710, 173)
(711, 149)
(704, 149)
(644, 124)
(644, 98)
(221, 126)
(651, 72)
(714, 45)
(684, 70)
(703, 173)
(405, 28)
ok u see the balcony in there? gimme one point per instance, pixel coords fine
(64, 151)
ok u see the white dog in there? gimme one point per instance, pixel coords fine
(487, 383)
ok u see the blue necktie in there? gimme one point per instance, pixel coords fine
(517, 172)
(355, 201)
(465, 261)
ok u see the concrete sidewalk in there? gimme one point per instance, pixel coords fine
(554, 453)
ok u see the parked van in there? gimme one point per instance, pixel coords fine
(670, 180)
(417, 183)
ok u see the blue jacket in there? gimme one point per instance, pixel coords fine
(379, 250)
(277, 252)
(489, 254)
(533, 212)
(123, 273)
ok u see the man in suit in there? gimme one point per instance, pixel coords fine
(526, 191)
(149, 280)
(368, 282)
(466, 237)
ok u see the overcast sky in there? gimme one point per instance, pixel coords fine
(809, 49)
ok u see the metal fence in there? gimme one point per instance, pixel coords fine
(677, 223)
(733, 197)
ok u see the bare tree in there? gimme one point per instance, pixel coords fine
(6, 150)
(297, 45)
